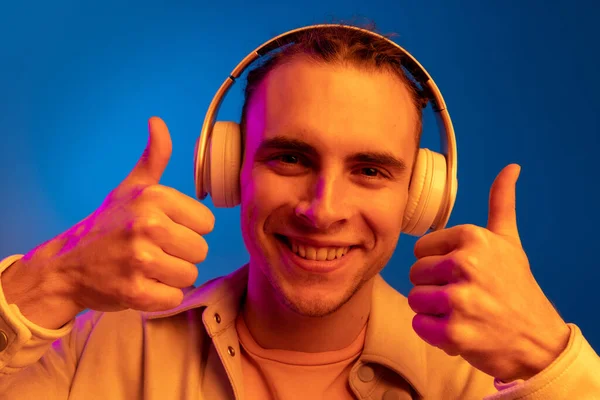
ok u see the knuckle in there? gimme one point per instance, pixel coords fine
(473, 234)
(452, 334)
(147, 225)
(470, 232)
(456, 272)
(143, 197)
(451, 342)
(133, 294)
(140, 257)
(458, 297)
(153, 226)
(151, 192)
(460, 337)
(463, 339)
(466, 262)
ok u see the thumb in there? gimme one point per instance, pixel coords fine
(155, 157)
(502, 214)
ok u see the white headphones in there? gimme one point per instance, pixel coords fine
(432, 192)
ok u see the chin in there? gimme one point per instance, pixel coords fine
(311, 289)
(312, 294)
(311, 306)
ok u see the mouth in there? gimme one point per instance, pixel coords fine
(315, 259)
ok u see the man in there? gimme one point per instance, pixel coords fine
(331, 130)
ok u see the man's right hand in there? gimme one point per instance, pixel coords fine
(136, 251)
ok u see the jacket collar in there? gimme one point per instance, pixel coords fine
(390, 340)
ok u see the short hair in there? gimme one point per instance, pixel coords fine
(341, 46)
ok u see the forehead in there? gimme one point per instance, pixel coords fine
(332, 106)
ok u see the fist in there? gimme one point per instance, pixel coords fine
(139, 249)
(475, 295)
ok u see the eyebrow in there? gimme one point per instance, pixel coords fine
(382, 158)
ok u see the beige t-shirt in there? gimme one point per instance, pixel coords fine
(289, 375)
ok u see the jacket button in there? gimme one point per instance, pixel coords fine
(391, 395)
(217, 318)
(231, 351)
(366, 373)
(3, 340)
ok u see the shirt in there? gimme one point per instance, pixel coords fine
(283, 374)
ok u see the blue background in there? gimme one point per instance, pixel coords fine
(78, 81)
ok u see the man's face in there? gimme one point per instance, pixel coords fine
(327, 163)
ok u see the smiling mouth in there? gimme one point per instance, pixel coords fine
(314, 253)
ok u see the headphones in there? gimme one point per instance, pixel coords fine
(433, 185)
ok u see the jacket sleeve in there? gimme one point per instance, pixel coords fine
(575, 374)
(35, 362)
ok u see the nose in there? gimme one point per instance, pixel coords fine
(327, 204)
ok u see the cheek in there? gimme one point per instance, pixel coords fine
(247, 208)
(385, 214)
(263, 196)
(384, 218)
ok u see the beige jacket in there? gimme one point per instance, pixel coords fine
(190, 353)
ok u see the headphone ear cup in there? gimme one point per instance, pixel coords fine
(223, 163)
(426, 193)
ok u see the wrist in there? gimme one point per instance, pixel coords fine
(537, 353)
(37, 286)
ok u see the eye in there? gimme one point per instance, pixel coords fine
(288, 159)
(288, 163)
(372, 173)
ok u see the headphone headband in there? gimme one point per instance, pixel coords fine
(430, 90)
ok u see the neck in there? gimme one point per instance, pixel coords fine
(274, 325)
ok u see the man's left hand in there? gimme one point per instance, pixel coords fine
(475, 295)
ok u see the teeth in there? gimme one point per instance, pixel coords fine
(331, 254)
(320, 254)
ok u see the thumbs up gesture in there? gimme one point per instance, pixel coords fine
(475, 295)
(140, 247)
